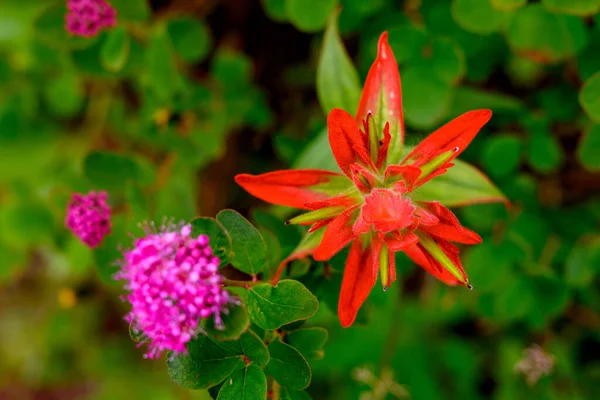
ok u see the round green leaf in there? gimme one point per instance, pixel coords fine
(271, 307)
(64, 94)
(235, 323)
(588, 150)
(476, 16)
(26, 222)
(545, 153)
(248, 383)
(407, 42)
(579, 268)
(507, 5)
(115, 49)
(309, 15)
(338, 85)
(572, 7)
(160, 65)
(254, 348)
(131, 10)
(426, 96)
(109, 170)
(191, 38)
(445, 57)
(501, 155)
(275, 9)
(308, 341)
(589, 97)
(219, 239)
(288, 366)
(249, 248)
(545, 37)
(206, 364)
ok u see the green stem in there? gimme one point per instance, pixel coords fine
(242, 284)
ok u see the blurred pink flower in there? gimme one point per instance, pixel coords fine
(88, 217)
(173, 283)
(88, 17)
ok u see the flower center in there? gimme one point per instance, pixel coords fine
(384, 210)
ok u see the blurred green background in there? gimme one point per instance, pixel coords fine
(165, 109)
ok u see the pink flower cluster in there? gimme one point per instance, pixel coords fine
(87, 17)
(88, 217)
(173, 283)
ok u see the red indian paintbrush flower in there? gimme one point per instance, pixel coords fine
(375, 204)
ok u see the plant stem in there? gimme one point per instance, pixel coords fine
(242, 284)
(276, 390)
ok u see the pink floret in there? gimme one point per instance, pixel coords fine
(173, 283)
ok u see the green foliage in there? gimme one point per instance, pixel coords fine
(589, 97)
(271, 307)
(249, 248)
(309, 15)
(337, 80)
(162, 110)
(289, 368)
(207, 363)
(588, 150)
(249, 383)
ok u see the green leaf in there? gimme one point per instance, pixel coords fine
(219, 239)
(254, 348)
(545, 37)
(507, 5)
(466, 99)
(545, 153)
(463, 184)
(50, 28)
(338, 85)
(308, 341)
(131, 10)
(206, 364)
(426, 96)
(445, 57)
(317, 154)
(271, 307)
(109, 170)
(26, 223)
(64, 94)
(246, 384)
(249, 248)
(477, 16)
(160, 65)
(589, 97)
(288, 366)
(407, 42)
(115, 49)
(191, 38)
(588, 150)
(309, 15)
(580, 265)
(572, 7)
(275, 9)
(235, 323)
(501, 155)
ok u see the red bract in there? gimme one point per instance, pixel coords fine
(371, 204)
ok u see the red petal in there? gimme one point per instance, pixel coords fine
(346, 141)
(457, 133)
(337, 235)
(400, 242)
(383, 84)
(358, 281)
(292, 188)
(385, 145)
(336, 201)
(407, 174)
(423, 260)
(449, 227)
